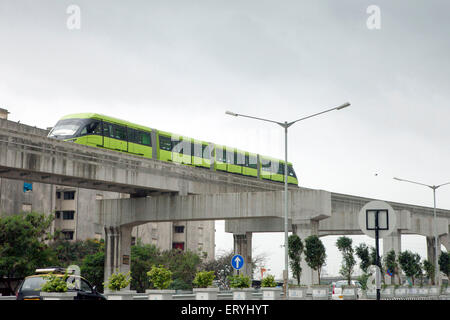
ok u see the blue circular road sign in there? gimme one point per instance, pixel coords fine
(237, 261)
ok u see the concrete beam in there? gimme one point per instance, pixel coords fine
(305, 204)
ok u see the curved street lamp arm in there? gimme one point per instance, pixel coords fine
(316, 114)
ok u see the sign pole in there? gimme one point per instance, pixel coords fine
(377, 245)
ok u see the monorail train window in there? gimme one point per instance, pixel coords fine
(120, 132)
(181, 146)
(229, 156)
(197, 150)
(266, 164)
(108, 130)
(145, 138)
(206, 151)
(291, 171)
(253, 162)
(220, 154)
(91, 128)
(165, 143)
(280, 168)
(239, 158)
(140, 137)
(250, 162)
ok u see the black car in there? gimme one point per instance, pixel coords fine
(30, 288)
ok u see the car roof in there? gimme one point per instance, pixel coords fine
(54, 274)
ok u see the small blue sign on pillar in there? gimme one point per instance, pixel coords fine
(237, 262)
(27, 187)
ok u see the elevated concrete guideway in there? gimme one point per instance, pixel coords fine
(40, 159)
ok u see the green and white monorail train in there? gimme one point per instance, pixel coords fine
(101, 131)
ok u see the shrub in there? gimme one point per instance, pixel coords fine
(160, 277)
(55, 283)
(239, 281)
(118, 281)
(268, 281)
(203, 279)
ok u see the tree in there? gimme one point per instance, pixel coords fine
(183, 264)
(362, 251)
(410, 264)
(430, 271)
(444, 263)
(344, 244)
(222, 268)
(73, 252)
(143, 257)
(315, 255)
(93, 269)
(390, 263)
(23, 247)
(295, 249)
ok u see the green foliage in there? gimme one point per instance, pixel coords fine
(444, 263)
(268, 281)
(93, 269)
(344, 244)
(183, 264)
(430, 270)
(203, 279)
(222, 268)
(391, 264)
(240, 281)
(362, 252)
(315, 255)
(295, 250)
(73, 252)
(55, 283)
(410, 264)
(160, 277)
(143, 257)
(179, 284)
(363, 280)
(118, 281)
(22, 245)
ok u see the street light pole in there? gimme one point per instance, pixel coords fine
(286, 125)
(433, 187)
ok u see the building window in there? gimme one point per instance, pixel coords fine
(68, 215)
(58, 195)
(58, 214)
(178, 245)
(69, 195)
(179, 229)
(67, 235)
(133, 241)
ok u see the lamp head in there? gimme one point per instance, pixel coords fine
(345, 105)
(231, 113)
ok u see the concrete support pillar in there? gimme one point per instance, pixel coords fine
(118, 250)
(304, 230)
(431, 251)
(243, 246)
(392, 242)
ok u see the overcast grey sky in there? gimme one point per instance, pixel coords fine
(178, 65)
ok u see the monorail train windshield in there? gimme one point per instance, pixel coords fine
(69, 128)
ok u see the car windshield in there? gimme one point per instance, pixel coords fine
(34, 283)
(66, 128)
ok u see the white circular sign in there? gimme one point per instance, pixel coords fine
(387, 218)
